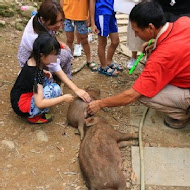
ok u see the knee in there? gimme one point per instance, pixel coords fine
(84, 40)
(52, 90)
(102, 44)
(115, 42)
(70, 40)
(56, 90)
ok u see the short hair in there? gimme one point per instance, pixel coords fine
(148, 12)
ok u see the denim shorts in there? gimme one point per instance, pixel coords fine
(106, 24)
(50, 90)
(81, 27)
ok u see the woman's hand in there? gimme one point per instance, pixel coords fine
(94, 107)
(47, 74)
(68, 98)
(83, 95)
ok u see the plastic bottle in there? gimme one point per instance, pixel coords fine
(90, 34)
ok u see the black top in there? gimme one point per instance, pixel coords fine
(24, 84)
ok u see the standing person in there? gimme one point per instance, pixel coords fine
(104, 24)
(77, 14)
(33, 93)
(164, 84)
(174, 9)
(134, 43)
(49, 19)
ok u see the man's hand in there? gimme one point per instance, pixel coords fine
(94, 107)
(83, 95)
(147, 49)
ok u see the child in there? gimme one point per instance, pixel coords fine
(33, 93)
(76, 14)
(104, 23)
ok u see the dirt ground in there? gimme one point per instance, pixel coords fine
(46, 156)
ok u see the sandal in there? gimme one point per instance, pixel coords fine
(106, 72)
(93, 67)
(115, 66)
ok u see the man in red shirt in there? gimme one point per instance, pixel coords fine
(164, 83)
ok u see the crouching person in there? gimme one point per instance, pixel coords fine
(34, 91)
(165, 81)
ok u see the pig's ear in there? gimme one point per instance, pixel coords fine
(91, 121)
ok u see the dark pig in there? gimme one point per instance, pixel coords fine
(100, 158)
(77, 111)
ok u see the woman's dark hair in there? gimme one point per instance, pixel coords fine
(48, 10)
(145, 13)
(45, 44)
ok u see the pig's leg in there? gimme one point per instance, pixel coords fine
(124, 136)
(122, 144)
(81, 129)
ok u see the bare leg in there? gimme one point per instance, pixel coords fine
(85, 45)
(70, 39)
(78, 37)
(102, 42)
(114, 44)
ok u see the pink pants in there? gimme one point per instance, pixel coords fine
(171, 100)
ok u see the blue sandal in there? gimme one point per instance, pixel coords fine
(115, 66)
(106, 72)
(93, 67)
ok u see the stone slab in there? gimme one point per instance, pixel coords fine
(163, 166)
(122, 16)
(122, 29)
(122, 22)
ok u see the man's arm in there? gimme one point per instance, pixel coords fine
(124, 98)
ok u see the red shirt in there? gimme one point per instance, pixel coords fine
(169, 63)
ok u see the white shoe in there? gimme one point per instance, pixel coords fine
(131, 63)
(77, 50)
